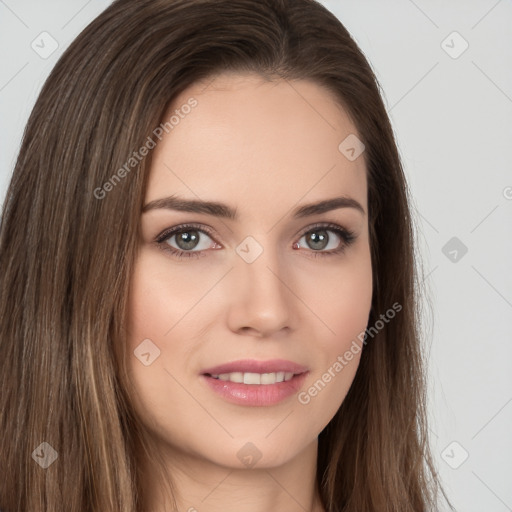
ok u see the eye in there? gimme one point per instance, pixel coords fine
(192, 241)
(186, 241)
(326, 239)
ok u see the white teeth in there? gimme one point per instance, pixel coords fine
(255, 378)
(268, 378)
(252, 378)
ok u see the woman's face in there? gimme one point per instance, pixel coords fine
(260, 281)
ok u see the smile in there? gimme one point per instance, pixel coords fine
(255, 378)
(255, 383)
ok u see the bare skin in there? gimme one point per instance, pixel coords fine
(264, 149)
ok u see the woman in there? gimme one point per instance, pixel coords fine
(207, 276)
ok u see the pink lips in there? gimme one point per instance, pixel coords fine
(256, 394)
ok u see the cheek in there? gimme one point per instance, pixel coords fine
(157, 304)
(344, 308)
(155, 307)
(343, 300)
(159, 299)
(350, 305)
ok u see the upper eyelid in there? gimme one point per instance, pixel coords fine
(167, 233)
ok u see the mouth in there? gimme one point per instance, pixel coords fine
(254, 378)
(256, 383)
(253, 366)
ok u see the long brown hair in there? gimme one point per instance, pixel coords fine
(67, 254)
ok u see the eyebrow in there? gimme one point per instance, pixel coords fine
(227, 212)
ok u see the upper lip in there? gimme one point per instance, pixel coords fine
(254, 366)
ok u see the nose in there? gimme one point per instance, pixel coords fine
(261, 298)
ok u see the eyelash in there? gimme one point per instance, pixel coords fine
(347, 238)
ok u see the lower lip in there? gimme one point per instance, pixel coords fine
(255, 394)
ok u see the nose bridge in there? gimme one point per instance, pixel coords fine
(261, 299)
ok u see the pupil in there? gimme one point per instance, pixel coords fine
(187, 239)
(318, 239)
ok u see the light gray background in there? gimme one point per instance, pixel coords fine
(452, 115)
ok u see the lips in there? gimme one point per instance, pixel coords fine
(255, 383)
(254, 366)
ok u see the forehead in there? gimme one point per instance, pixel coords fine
(265, 143)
